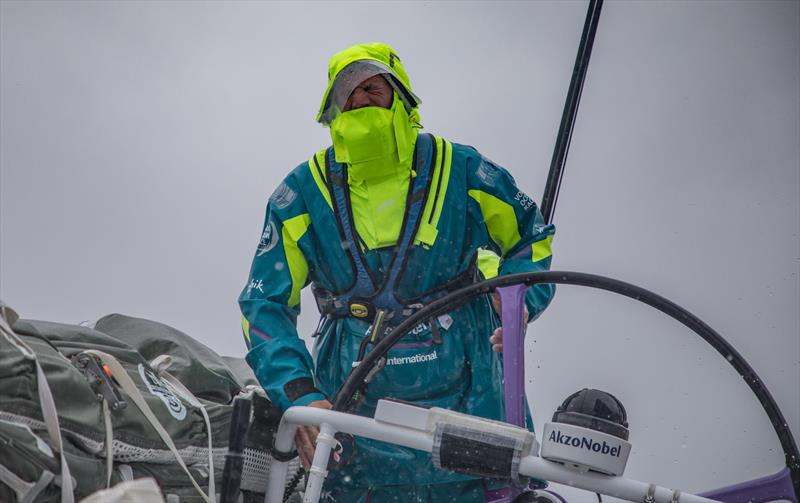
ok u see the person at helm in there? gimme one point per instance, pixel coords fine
(382, 222)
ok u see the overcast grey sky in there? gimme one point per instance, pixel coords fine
(139, 142)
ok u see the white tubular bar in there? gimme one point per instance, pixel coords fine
(337, 421)
(318, 471)
(284, 442)
(618, 487)
(532, 466)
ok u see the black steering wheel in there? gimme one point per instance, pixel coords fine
(355, 384)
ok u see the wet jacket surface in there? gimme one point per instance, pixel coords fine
(472, 204)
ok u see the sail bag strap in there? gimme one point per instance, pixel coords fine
(160, 364)
(49, 412)
(129, 387)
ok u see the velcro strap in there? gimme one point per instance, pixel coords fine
(299, 387)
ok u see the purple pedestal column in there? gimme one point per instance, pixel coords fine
(511, 298)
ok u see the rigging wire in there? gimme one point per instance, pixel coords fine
(564, 137)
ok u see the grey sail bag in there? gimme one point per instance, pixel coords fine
(134, 398)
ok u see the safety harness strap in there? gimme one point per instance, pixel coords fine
(364, 297)
(337, 180)
(343, 306)
(423, 162)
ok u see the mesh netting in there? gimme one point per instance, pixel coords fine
(255, 472)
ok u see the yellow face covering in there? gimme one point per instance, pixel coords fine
(375, 140)
(362, 135)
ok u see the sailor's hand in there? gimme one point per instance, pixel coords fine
(496, 340)
(305, 438)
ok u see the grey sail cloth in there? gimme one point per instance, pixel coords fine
(203, 371)
(183, 423)
(137, 449)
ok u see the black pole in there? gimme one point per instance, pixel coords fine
(553, 185)
(234, 461)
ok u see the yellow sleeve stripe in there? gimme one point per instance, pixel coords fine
(294, 229)
(500, 219)
(317, 166)
(541, 249)
(488, 263)
(246, 329)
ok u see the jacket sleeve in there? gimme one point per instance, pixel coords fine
(514, 226)
(270, 303)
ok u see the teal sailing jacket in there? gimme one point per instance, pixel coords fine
(473, 214)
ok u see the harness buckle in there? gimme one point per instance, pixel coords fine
(100, 380)
(410, 309)
(361, 309)
(327, 303)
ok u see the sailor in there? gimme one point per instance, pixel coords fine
(385, 220)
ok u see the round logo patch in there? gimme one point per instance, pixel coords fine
(157, 387)
(269, 238)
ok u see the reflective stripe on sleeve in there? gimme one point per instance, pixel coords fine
(294, 229)
(246, 330)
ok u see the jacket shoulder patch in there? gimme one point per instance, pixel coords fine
(283, 196)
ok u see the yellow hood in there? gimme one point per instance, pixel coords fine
(385, 61)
